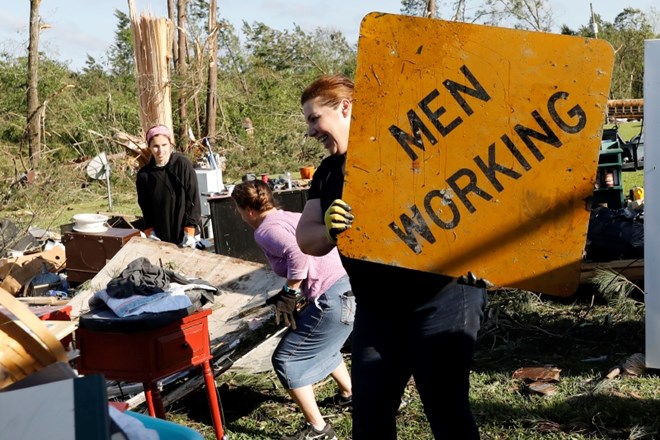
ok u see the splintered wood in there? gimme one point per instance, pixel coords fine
(540, 380)
(26, 343)
(153, 51)
(16, 273)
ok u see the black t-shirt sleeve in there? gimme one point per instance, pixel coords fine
(328, 181)
(368, 277)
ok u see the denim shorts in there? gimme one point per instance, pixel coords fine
(310, 353)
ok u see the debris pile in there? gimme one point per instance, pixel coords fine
(32, 265)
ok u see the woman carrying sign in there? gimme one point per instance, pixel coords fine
(408, 323)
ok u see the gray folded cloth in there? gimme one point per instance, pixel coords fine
(139, 278)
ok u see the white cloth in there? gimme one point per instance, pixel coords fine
(189, 241)
(173, 299)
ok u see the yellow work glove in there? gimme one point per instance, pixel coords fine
(337, 219)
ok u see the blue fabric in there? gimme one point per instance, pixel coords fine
(430, 338)
(310, 353)
(166, 430)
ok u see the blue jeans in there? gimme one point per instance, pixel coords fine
(431, 339)
(310, 353)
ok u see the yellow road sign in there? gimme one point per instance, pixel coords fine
(475, 148)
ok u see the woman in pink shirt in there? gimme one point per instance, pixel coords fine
(310, 349)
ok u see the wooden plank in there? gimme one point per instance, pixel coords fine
(42, 300)
(61, 329)
(16, 272)
(239, 282)
(633, 270)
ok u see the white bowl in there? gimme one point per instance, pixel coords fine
(90, 222)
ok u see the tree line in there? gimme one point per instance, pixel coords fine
(259, 72)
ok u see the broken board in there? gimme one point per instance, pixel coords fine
(240, 283)
(475, 148)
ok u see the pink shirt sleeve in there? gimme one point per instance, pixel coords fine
(277, 238)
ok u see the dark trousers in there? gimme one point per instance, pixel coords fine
(431, 339)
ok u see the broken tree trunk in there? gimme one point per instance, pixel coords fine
(33, 107)
(212, 89)
(153, 51)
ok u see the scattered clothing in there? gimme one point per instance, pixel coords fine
(139, 278)
(138, 304)
(146, 288)
(176, 297)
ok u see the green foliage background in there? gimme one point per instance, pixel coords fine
(260, 79)
(261, 73)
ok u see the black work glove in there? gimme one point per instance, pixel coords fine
(285, 305)
(471, 280)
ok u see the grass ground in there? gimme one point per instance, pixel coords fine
(627, 129)
(632, 179)
(584, 336)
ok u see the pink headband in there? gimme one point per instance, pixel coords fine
(159, 129)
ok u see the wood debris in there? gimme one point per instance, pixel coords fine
(17, 272)
(540, 380)
(153, 53)
(135, 147)
(634, 365)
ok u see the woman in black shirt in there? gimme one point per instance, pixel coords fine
(168, 192)
(407, 322)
